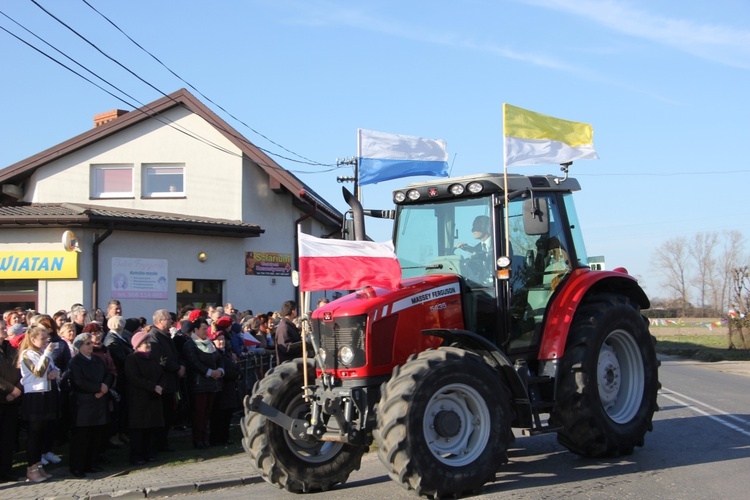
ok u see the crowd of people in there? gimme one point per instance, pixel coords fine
(94, 379)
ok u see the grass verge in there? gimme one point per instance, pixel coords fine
(710, 347)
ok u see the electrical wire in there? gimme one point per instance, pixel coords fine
(198, 91)
(154, 87)
(147, 111)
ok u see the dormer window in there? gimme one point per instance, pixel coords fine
(112, 181)
(163, 180)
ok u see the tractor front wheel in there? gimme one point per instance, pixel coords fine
(607, 379)
(296, 465)
(444, 423)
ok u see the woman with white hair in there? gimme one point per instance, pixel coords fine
(90, 381)
(119, 349)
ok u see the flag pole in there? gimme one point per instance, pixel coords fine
(506, 218)
(357, 188)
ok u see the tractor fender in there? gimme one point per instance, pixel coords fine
(580, 283)
(493, 356)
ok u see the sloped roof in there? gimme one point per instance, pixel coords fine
(89, 216)
(304, 197)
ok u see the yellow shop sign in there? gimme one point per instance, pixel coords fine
(42, 265)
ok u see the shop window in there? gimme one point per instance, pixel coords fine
(112, 181)
(164, 180)
(18, 293)
(199, 293)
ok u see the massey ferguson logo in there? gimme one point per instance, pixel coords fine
(435, 293)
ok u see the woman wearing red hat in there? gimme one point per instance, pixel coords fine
(205, 369)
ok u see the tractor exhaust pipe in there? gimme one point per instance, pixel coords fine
(358, 215)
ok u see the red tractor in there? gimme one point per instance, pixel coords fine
(499, 323)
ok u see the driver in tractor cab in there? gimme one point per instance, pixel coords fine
(479, 263)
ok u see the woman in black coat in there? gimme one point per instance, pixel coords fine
(145, 412)
(228, 400)
(205, 367)
(89, 383)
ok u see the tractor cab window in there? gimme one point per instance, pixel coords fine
(539, 262)
(453, 236)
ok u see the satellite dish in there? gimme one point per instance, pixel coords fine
(295, 278)
(70, 242)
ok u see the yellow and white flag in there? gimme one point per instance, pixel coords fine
(532, 138)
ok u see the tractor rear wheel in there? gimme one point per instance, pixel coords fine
(607, 379)
(296, 465)
(444, 423)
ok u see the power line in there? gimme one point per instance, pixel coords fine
(198, 91)
(229, 132)
(148, 111)
(154, 87)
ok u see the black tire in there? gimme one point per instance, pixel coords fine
(607, 380)
(421, 432)
(299, 466)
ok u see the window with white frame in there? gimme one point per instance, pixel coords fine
(163, 180)
(112, 181)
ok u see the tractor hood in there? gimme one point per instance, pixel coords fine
(377, 303)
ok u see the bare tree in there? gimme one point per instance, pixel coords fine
(701, 251)
(740, 299)
(730, 258)
(671, 262)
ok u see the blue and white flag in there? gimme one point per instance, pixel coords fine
(385, 156)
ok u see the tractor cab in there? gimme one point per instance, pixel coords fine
(458, 226)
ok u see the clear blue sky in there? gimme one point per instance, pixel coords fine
(665, 85)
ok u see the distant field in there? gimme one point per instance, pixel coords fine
(703, 339)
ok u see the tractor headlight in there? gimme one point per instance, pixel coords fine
(456, 189)
(346, 355)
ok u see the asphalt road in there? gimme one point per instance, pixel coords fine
(700, 448)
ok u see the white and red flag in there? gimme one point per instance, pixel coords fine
(346, 265)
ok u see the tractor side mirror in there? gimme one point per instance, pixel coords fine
(536, 216)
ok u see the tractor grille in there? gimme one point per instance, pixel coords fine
(348, 331)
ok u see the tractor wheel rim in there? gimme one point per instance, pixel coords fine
(620, 376)
(456, 425)
(308, 450)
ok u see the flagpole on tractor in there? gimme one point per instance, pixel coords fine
(506, 218)
(357, 188)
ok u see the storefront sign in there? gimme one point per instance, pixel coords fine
(39, 265)
(139, 278)
(268, 264)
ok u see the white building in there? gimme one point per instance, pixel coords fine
(170, 205)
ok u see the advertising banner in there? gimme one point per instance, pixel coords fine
(139, 278)
(268, 264)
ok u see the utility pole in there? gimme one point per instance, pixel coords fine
(355, 179)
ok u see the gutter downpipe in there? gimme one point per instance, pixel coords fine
(95, 266)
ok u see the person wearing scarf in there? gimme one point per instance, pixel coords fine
(205, 366)
(145, 411)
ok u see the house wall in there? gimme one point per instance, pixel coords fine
(217, 184)
(213, 177)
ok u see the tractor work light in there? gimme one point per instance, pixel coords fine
(456, 189)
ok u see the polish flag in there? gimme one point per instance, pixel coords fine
(346, 265)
